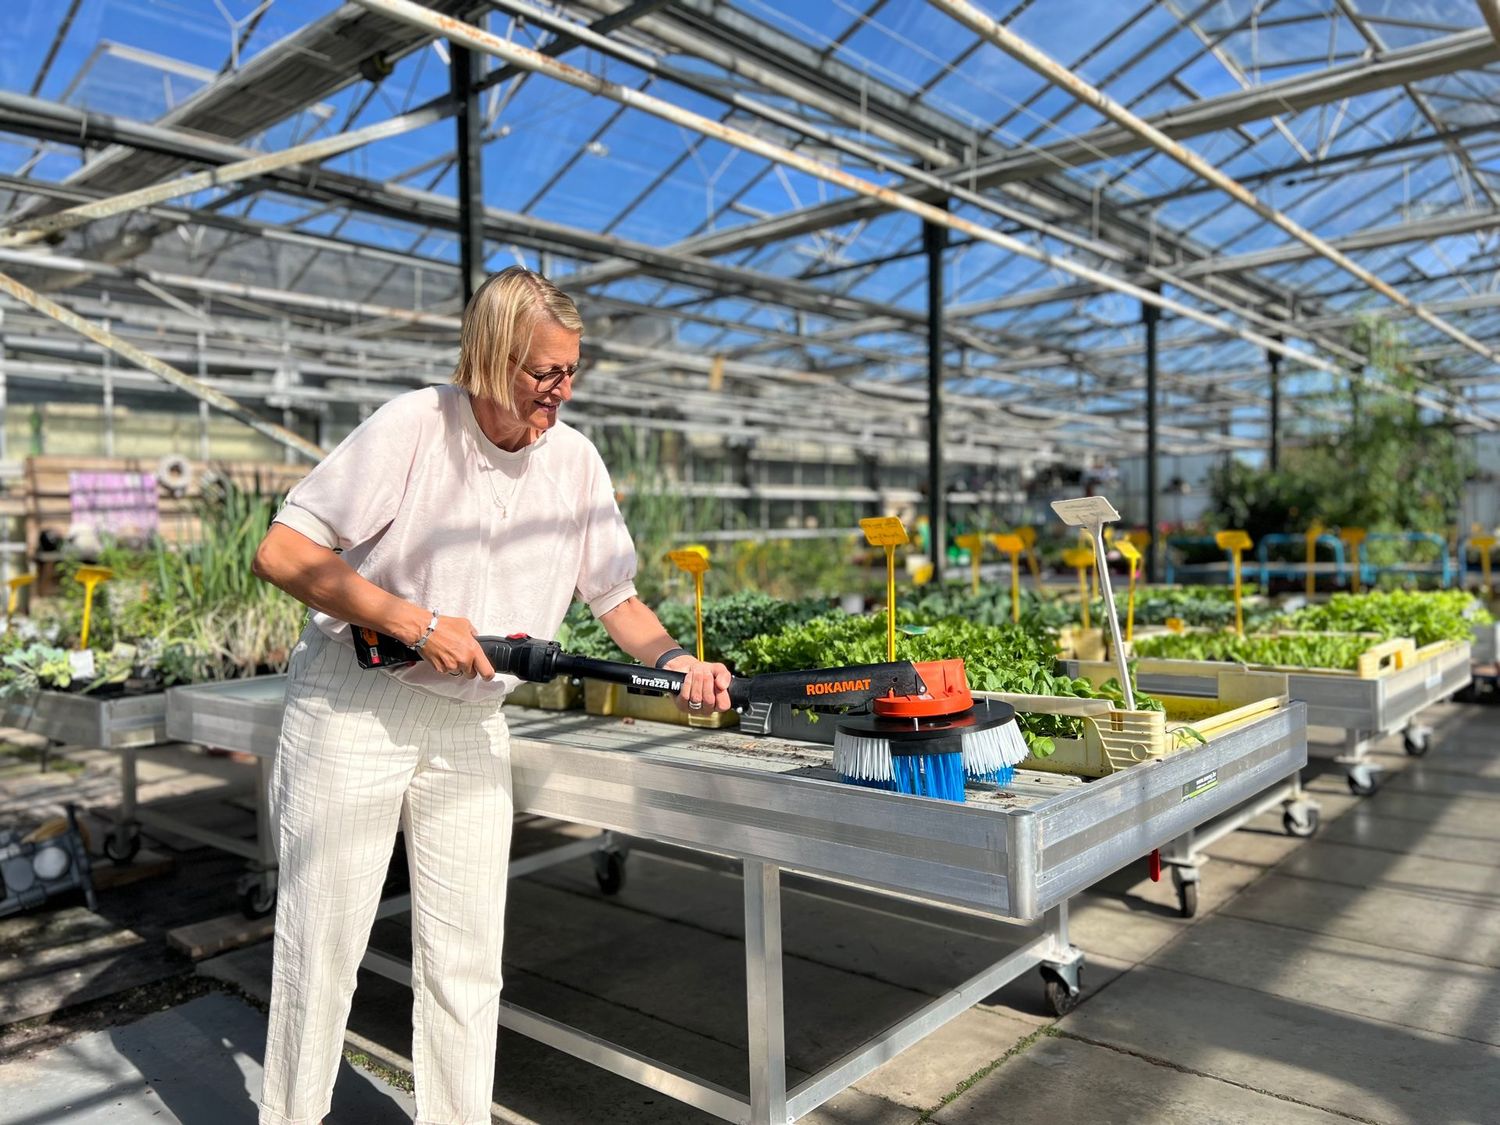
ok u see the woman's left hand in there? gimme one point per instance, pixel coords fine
(706, 688)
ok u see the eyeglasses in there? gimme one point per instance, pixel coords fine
(552, 377)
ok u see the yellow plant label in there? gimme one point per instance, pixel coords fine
(884, 531)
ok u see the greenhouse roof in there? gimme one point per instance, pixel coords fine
(737, 194)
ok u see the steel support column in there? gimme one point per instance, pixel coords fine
(463, 67)
(107, 403)
(1150, 314)
(934, 238)
(1275, 451)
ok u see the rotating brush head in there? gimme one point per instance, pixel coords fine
(927, 744)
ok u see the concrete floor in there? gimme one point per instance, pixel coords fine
(1351, 977)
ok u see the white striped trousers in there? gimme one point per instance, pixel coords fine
(360, 753)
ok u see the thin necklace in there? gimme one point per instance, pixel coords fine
(492, 471)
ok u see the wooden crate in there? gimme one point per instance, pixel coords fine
(42, 498)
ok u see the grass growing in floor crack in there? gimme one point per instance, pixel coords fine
(986, 1070)
(400, 1079)
(23, 761)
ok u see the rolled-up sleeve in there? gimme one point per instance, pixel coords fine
(301, 520)
(606, 576)
(354, 493)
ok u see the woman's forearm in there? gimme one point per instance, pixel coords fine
(317, 577)
(638, 631)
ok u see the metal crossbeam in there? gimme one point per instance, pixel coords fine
(1018, 48)
(520, 56)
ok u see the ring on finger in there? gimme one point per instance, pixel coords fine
(696, 705)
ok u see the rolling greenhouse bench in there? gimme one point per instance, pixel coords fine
(245, 716)
(1111, 739)
(109, 722)
(1015, 855)
(128, 725)
(1116, 739)
(1366, 707)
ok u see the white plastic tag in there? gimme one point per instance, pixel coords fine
(1085, 511)
(81, 663)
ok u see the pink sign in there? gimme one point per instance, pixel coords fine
(114, 505)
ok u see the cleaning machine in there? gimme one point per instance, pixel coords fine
(910, 727)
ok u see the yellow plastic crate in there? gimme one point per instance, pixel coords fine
(562, 694)
(1382, 658)
(1115, 738)
(600, 698)
(1074, 642)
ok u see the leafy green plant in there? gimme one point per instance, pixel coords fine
(34, 667)
(726, 622)
(991, 606)
(1193, 605)
(1360, 471)
(1426, 616)
(172, 615)
(1283, 650)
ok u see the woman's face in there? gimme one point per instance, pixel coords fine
(553, 350)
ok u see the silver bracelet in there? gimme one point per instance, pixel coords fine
(431, 625)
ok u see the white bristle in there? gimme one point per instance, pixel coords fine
(986, 751)
(864, 759)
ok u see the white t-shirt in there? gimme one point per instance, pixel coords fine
(425, 506)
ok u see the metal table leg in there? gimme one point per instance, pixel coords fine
(763, 995)
(257, 886)
(1062, 962)
(125, 840)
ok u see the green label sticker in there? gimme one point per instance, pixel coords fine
(1200, 785)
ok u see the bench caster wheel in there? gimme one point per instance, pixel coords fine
(1301, 826)
(609, 871)
(1187, 892)
(1363, 782)
(1060, 998)
(257, 897)
(122, 853)
(1417, 740)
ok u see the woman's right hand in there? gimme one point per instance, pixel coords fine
(453, 649)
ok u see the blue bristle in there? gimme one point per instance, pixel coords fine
(887, 786)
(930, 775)
(1001, 777)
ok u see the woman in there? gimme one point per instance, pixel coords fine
(459, 511)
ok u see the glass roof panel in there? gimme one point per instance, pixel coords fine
(908, 45)
(813, 23)
(988, 87)
(1149, 33)
(1283, 46)
(573, 159)
(1444, 15)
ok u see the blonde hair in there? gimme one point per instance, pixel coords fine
(499, 323)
